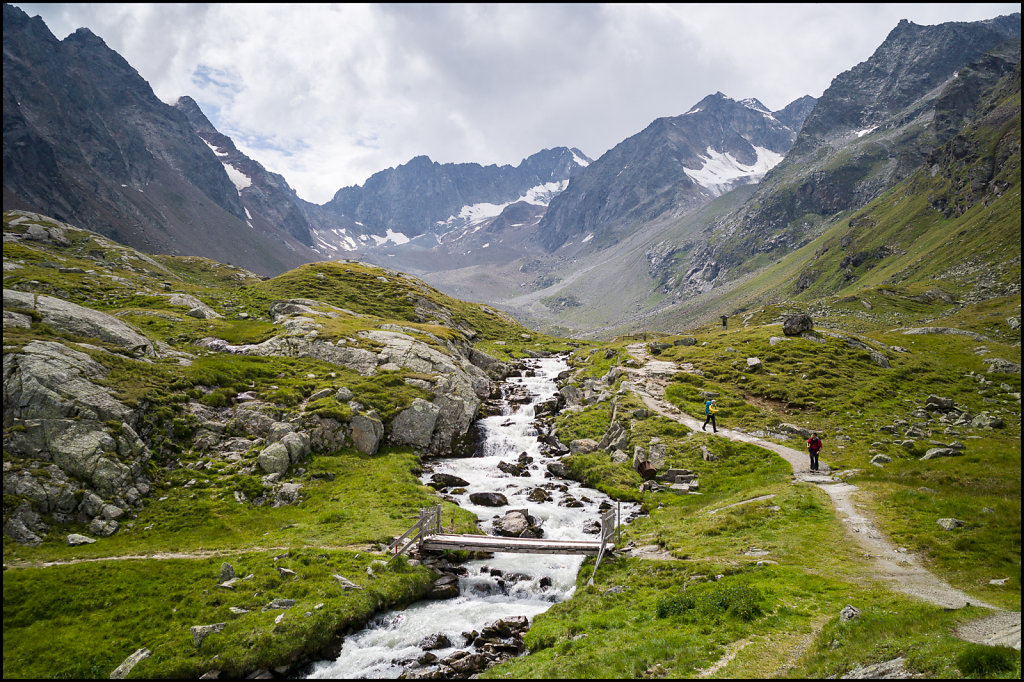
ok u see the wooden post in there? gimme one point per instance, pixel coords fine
(618, 522)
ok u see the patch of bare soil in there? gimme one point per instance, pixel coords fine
(999, 629)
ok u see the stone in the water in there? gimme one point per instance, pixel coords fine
(488, 499)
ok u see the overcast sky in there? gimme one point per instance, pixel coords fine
(327, 95)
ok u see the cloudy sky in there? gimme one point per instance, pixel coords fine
(327, 95)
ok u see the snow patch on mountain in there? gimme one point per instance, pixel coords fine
(240, 179)
(341, 241)
(390, 236)
(721, 172)
(475, 215)
(214, 149)
(753, 103)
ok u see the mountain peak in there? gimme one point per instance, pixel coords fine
(86, 37)
(189, 107)
(755, 104)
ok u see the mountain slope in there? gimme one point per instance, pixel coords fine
(874, 126)
(438, 201)
(271, 205)
(948, 233)
(86, 140)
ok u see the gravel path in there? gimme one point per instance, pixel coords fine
(900, 569)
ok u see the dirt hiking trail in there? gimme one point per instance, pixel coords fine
(901, 570)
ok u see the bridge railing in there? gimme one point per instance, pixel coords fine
(608, 528)
(429, 524)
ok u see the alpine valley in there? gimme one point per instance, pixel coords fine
(223, 403)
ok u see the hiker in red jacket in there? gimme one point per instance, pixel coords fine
(813, 446)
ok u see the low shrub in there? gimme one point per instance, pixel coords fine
(713, 600)
(979, 660)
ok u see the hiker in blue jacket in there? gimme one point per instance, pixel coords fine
(710, 408)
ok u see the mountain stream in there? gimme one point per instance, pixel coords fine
(507, 584)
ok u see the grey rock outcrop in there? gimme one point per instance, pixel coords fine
(121, 671)
(75, 432)
(431, 426)
(79, 320)
(201, 632)
(936, 453)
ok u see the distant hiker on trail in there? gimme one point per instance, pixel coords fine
(725, 318)
(813, 446)
(710, 408)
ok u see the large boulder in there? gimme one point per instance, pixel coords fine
(366, 432)
(297, 444)
(442, 481)
(274, 459)
(795, 325)
(492, 366)
(415, 425)
(517, 523)
(488, 499)
(583, 446)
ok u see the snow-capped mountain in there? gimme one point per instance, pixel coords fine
(425, 203)
(674, 165)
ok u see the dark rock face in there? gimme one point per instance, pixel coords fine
(640, 179)
(87, 141)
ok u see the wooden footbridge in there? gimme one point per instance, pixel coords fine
(427, 535)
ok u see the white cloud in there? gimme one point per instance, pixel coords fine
(327, 95)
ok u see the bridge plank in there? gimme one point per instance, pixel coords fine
(491, 543)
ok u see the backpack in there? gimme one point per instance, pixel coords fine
(707, 407)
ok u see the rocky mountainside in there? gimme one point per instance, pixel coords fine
(86, 140)
(271, 205)
(873, 127)
(947, 235)
(674, 165)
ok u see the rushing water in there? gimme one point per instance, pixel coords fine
(393, 637)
